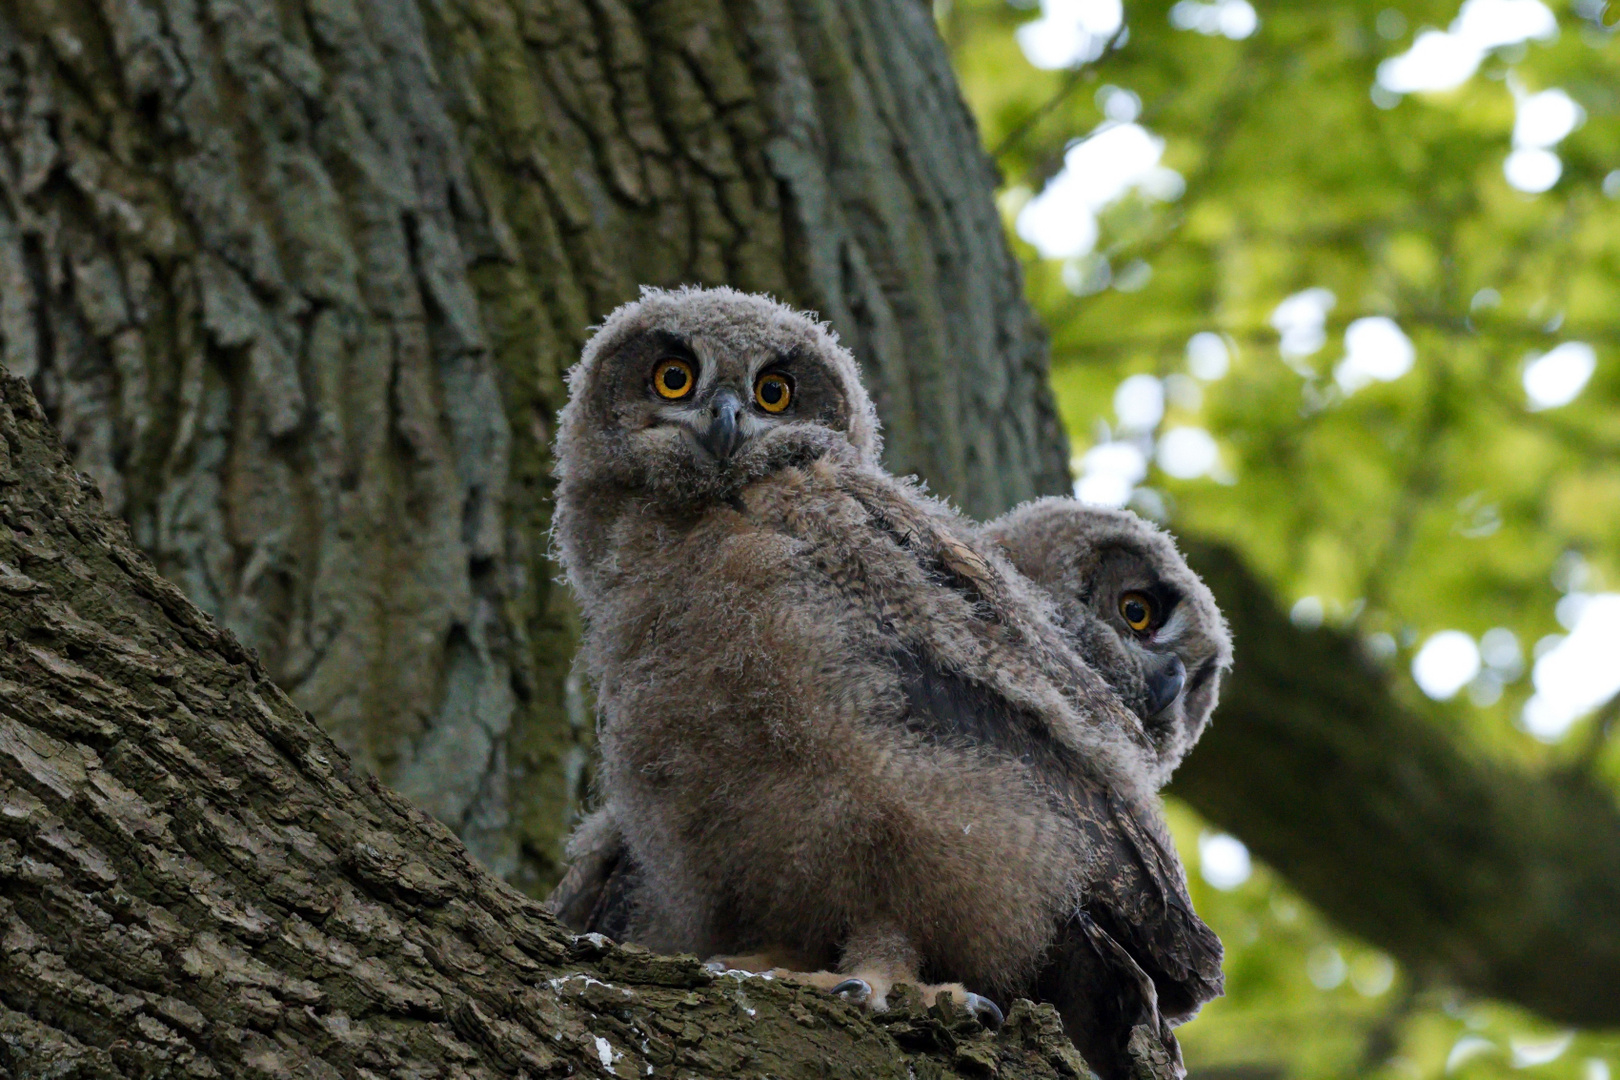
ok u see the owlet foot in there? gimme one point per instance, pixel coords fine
(872, 990)
(869, 987)
(978, 1006)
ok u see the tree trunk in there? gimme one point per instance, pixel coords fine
(194, 880)
(298, 284)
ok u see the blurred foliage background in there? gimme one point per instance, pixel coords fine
(1340, 285)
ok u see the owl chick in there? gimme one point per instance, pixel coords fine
(1133, 609)
(826, 706)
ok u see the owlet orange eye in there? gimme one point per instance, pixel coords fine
(773, 392)
(674, 379)
(1137, 610)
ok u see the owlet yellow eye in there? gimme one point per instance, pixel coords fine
(674, 379)
(1137, 611)
(773, 392)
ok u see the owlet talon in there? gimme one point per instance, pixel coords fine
(984, 1010)
(856, 990)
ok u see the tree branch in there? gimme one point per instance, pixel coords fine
(1470, 872)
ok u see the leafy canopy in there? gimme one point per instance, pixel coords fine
(1333, 288)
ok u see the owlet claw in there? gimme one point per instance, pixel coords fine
(984, 1011)
(856, 990)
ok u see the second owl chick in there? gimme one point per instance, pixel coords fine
(1134, 609)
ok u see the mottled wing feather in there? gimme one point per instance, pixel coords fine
(949, 708)
(1108, 1003)
(1137, 896)
(957, 563)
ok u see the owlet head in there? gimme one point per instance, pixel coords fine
(1135, 609)
(690, 393)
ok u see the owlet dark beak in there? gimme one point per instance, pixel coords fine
(1166, 675)
(722, 437)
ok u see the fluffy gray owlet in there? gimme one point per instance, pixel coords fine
(826, 706)
(1133, 609)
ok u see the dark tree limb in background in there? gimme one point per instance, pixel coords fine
(1470, 872)
(298, 283)
(194, 881)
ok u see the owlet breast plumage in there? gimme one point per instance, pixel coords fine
(826, 704)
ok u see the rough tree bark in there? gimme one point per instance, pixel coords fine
(298, 281)
(196, 882)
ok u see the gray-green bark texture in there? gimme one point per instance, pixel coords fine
(196, 882)
(298, 282)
